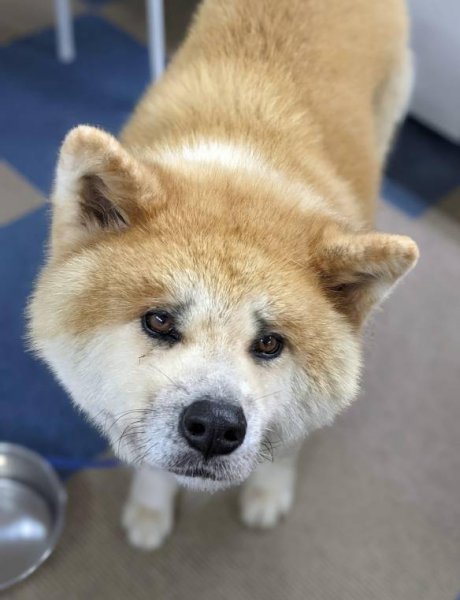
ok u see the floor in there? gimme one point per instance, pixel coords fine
(378, 508)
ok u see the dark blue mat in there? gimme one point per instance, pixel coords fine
(34, 410)
(41, 99)
(426, 164)
(403, 199)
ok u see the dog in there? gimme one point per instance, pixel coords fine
(209, 273)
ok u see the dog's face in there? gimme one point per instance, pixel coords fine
(199, 323)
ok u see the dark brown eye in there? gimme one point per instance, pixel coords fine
(160, 323)
(268, 346)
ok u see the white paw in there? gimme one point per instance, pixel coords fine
(263, 507)
(146, 528)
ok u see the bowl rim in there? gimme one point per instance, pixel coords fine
(8, 448)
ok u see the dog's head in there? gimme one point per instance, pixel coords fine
(195, 317)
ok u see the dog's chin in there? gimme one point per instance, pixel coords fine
(204, 484)
(204, 477)
(201, 475)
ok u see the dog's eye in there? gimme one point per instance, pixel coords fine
(160, 323)
(268, 346)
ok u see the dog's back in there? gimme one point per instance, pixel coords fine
(315, 87)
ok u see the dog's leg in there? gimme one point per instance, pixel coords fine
(148, 515)
(269, 492)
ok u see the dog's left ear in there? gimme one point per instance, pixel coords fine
(99, 188)
(358, 271)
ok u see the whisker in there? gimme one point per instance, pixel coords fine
(164, 374)
(267, 445)
(273, 438)
(120, 416)
(178, 385)
(269, 394)
(142, 456)
(133, 429)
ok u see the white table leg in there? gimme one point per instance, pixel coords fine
(156, 37)
(64, 31)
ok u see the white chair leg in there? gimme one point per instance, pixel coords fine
(65, 41)
(156, 37)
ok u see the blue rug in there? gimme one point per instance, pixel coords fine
(34, 410)
(41, 99)
(426, 164)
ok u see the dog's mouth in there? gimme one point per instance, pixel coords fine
(197, 472)
(203, 479)
(189, 467)
(215, 473)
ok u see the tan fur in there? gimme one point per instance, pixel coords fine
(300, 79)
(243, 185)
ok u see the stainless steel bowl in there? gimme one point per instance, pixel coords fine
(32, 509)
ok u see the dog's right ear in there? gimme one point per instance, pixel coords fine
(99, 189)
(359, 270)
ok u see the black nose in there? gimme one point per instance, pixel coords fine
(213, 428)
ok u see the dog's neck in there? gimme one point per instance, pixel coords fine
(212, 156)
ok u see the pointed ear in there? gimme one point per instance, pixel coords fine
(359, 270)
(99, 188)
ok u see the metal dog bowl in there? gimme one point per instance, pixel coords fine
(32, 507)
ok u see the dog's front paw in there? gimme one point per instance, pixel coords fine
(146, 528)
(264, 506)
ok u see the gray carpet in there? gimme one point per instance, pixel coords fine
(378, 506)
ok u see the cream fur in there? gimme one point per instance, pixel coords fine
(242, 159)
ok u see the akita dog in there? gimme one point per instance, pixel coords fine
(209, 273)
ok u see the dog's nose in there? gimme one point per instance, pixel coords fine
(213, 428)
